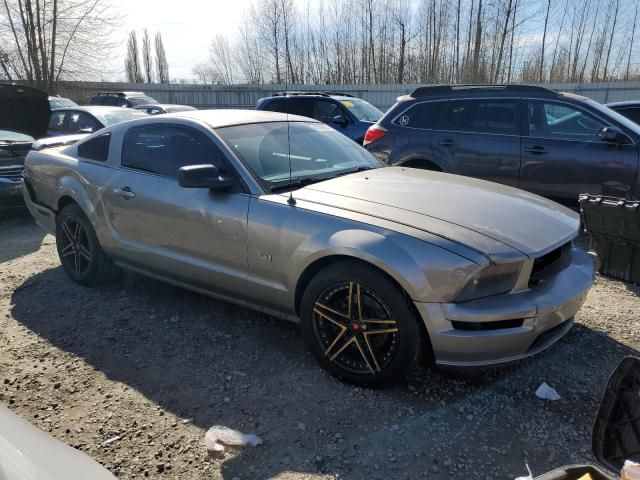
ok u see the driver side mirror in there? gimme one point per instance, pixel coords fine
(340, 120)
(613, 135)
(204, 176)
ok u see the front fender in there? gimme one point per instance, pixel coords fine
(425, 271)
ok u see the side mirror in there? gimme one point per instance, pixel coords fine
(86, 130)
(204, 176)
(340, 120)
(613, 135)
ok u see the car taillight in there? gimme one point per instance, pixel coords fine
(374, 133)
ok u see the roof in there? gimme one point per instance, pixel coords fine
(463, 89)
(323, 93)
(229, 117)
(124, 94)
(95, 109)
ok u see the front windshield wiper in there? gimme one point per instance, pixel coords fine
(298, 182)
(361, 168)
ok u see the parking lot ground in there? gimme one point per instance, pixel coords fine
(157, 366)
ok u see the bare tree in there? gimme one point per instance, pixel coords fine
(147, 57)
(44, 41)
(132, 65)
(544, 41)
(162, 66)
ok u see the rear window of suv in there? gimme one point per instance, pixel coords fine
(496, 116)
(421, 115)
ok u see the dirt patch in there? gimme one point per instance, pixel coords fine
(157, 366)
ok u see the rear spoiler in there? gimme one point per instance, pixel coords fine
(61, 141)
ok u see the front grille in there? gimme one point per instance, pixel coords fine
(495, 325)
(546, 263)
(13, 173)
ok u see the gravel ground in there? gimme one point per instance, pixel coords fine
(157, 366)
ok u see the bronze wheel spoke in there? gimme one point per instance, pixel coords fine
(321, 306)
(378, 332)
(366, 360)
(342, 348)
(350, 300)
(371, 352)
(387, 322)
(333, 344)
(335, 321)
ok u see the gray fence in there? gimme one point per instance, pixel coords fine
(246, 96)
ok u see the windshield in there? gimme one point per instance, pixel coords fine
(12, 137)
(362, 110)
(134, 101)
(61, 103)
(318, 152)
(112, 117)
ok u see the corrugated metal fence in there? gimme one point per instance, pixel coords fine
(246, 96)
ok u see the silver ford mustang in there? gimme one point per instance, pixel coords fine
(287, 216)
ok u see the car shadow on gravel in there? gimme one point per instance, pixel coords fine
(19, 235)
(217, 363)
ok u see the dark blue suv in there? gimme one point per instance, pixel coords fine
(555, 144)
(347, 114)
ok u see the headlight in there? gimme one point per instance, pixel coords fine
(492, 280)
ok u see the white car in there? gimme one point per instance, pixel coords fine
(27, 453)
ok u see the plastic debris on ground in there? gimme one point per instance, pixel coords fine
(547, 393)
(528, 477)
(218, 435)
(631, 470)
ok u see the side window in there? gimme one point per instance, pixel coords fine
(276, 105)
(163, 149)
(482, 116)
(96, 148)
(562, 122)
(325, 110)
(80, 120)
(56, 122)
(299, 106)
(421, 115)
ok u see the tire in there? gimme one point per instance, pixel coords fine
(375, 344)
(80, 253)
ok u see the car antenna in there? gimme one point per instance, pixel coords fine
(291, 201)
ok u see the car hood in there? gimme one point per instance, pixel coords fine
(24, 109)
(27, 453)
(482, 215)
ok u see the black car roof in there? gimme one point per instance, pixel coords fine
(312, 94)
(625, 103)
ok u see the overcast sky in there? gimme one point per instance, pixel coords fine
(187, 28)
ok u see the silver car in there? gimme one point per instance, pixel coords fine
(287, 216)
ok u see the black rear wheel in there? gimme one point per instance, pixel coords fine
(359, 325)
(80, 253)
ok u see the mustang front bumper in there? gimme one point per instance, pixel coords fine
(522, 323)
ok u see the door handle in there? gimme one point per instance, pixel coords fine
(124, 192)
(447, 143)
(536, 150)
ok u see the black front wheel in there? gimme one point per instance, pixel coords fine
(359, 326)
(80, 253)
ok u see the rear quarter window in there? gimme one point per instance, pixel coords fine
(96, 149)
(423, 115)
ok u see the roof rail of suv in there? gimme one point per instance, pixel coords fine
(443, 89)
(119, 94)
(309, 92)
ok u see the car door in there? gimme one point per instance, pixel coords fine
(563, 156)
(480, 138)
(191, 235)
